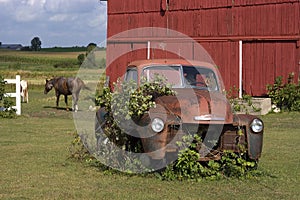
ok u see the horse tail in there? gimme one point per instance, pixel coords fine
(87, 88)
(83, 85)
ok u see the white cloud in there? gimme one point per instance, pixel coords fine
(74, 6)
(27, 10)
(56, 22)
(61, 17)
(34, 2)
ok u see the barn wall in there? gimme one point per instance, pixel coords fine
(264, 61)
(203, 20)
(269, 29)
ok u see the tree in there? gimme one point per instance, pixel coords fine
(90, 55)
(91, 47)
(36, 44)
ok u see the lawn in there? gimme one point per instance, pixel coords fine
(35, 160)
(35, 164)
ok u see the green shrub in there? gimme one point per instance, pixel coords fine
(129, 102)
(77, 150)
(5, 102)
(235, 165)
(285, 96)
(188, 166)
(80, 58)
(244, 104)
(2, 87)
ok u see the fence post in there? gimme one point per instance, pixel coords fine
(18, 94)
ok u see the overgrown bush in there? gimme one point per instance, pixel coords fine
(130, 102)
(188, 167)
(285, 96)
(127, 102)
(6, 110)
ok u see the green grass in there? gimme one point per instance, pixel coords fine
(35, 165)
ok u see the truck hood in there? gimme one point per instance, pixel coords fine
(196, 106)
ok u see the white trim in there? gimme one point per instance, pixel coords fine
(240, 69)
(148, 50)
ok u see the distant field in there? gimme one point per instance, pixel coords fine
(36, 66)
(48, 55)
(40, 54)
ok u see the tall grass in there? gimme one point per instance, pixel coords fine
(33, 59)
(36, 66)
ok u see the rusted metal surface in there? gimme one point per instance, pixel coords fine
(190, 103)
(231, 140)
(254, 140)
(262, 25)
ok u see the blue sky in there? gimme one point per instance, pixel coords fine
(58, 23)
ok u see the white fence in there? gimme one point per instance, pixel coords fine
(17, 94)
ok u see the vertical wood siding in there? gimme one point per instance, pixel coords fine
(269, 29)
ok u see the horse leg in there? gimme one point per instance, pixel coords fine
(57, 100)
(66, 101)
(27, 96)
(75, 100)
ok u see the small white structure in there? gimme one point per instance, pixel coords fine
(17, 94)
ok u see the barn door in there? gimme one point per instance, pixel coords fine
(264, 61)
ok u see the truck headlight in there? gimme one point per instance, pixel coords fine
(257, 125)
(157, 125)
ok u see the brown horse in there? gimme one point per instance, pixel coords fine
(65, 86)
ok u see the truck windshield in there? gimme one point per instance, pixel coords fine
(200, 77)
(172, 74)
(184, 76)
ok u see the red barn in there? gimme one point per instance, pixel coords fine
(251, 42)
